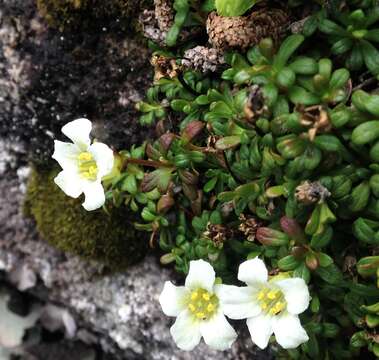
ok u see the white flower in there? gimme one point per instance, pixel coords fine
(83, 164)
(269, 306)
(198, 310)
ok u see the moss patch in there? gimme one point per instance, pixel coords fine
(62, 221)
(77, 13)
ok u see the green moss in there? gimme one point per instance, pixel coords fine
(73, 13)
(62, 221)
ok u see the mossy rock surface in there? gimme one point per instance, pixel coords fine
(69, 14)
(63, 222)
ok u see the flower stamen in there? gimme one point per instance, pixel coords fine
(271, 300)
(202, 304)
(87, 166)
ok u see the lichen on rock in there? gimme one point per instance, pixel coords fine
(108, 238)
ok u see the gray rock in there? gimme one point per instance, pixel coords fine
(46, 79)
(121, 311)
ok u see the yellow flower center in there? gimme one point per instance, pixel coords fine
(271, 300)
(202, 304)
(87, 166)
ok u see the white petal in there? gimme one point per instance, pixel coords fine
(78, 131)
(104, 158)
(172, 299)
(200, 275)
(237, 302)
(217, 332)
(94, 193)
(296, 294)
(253, 272)
(260, 328)
(288, 331)
(66, 154)
(70, 183)
(186, 331)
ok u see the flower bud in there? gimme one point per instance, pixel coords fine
(160, 128)
(166, 140)
(312, 261)
(271, 237)
(193, 129)
(267, 48)
(298, 252)
(165, 203)
(292, 228)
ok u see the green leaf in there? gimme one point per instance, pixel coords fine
(288, 47)
(370, 57)
(130, 184)
(303, 272)
(286, 77)
(339, 79)
(372, 35)
(368, 266)
(359, 197)
(363, 229)
(366, 132)
(341, 46)
(291, 146)
(323, 239)
(331, 28)
(325, 260)
(299, 95)
(208, 6)
(288, 263)
(228, 142)
(330, 274)
(304, 66)
(355, 59)
(209, 186)
(172, 35)
(366, 102)
(233, 8)
(328, 143)
(270, 93)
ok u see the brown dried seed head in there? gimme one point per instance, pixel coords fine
(311, 192)
(242, 32)
(218, 234)
(164, 67)
(255, 104)
(316, 118)
(249, 226)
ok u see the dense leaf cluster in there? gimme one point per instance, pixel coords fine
(277, 156)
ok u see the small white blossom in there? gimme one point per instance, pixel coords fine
(84, 164)
(270, 306)
(198, 310)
